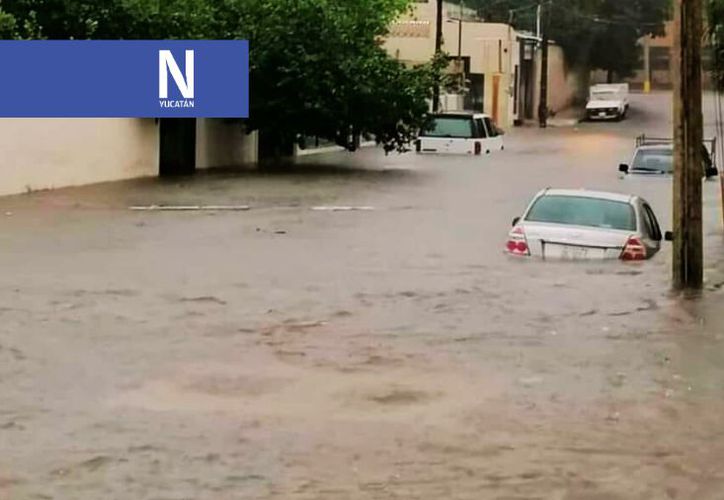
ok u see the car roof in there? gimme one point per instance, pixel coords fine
(585, 193)
(460, 114)
(650, 147)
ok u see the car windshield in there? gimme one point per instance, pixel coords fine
(582, 211)
(604, 96)
(451, 126)
(654, 160)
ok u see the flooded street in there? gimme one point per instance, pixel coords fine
(391, 353)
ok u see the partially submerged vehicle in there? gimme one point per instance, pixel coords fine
(608, 102)
(577, 224)
(460, 133)
(654, 156)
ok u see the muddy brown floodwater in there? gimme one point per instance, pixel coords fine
(394, 353)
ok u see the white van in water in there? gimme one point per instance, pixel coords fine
(608, 101)
(460, 133)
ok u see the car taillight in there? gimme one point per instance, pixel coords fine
(418, 145)
(478, 148)
(634, 249)
(517, 244)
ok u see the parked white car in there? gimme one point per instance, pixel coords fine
(580, 224)
(460, 133)
(608, 102)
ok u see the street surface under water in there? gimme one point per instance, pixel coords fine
(394, 353)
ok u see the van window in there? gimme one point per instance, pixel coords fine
(492, 129)
(459, 127)
(480, 125)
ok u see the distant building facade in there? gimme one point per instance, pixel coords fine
(501, 65)
(659, 52)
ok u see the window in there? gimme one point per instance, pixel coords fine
(660, 58)
(581, 211)
(492, 129)
(482, 133)
(605, 95)
(654, 160)
(459, 127)
(652, 225)
(661, 160)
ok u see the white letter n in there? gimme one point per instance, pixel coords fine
(166, 64)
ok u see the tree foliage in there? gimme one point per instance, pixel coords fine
(317, 67)
(715, 15)
(599, 34)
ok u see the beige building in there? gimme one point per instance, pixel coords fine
(39, 153)
(502, 66)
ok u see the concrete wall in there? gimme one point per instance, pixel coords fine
(564, 84)
(39, 153)
(43, 153)
(224, 143)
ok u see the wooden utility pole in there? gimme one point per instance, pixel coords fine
(438, 49)
(688, 139)
(543, 101)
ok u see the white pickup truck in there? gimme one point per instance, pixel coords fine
(608, 102)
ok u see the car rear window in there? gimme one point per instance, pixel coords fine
(654, 160)
(456, 127)
(582, 211)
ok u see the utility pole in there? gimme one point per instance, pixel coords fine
(647, 64)
(438, 49)
(543, 101)
(688, 272)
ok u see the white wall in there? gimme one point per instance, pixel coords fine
(224, 143)
(48, 153)
(45, 153)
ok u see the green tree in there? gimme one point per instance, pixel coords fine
(715, 16)
(8, 26)
(317, 67)
(598, 34)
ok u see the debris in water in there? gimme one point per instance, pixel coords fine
(614, 417)
(530, 381)
(341, 209)
(190, 208)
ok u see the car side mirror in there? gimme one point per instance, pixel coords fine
(623, 168)
(669, 236)
(516, 221)
(711, 172)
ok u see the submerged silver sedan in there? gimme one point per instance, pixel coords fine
(580, 224)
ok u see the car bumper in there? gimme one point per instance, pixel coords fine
(595, 114)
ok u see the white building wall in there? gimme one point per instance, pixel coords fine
(40, 153)
(224, 143)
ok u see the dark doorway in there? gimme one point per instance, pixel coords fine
(475, 97)
(178, 146)
(272, 147)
